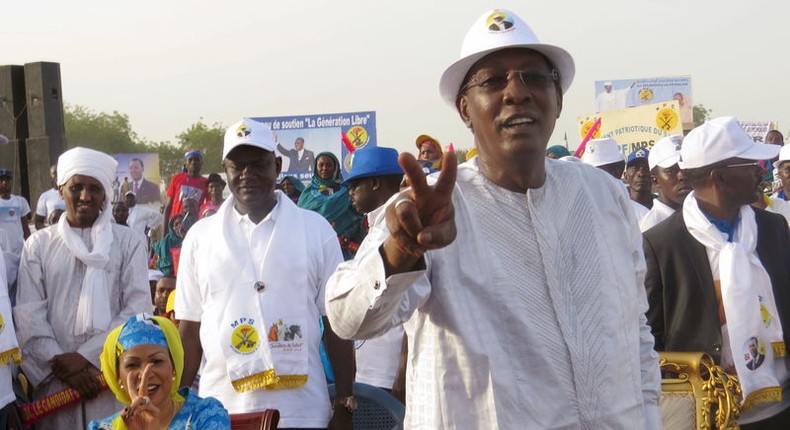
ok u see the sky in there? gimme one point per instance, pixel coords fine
(169, 64)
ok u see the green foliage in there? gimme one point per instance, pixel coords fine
(110, 133)
(171, 158)
(701, 114)
(113, 134)
(207, 139)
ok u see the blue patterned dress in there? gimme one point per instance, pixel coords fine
(196, 414)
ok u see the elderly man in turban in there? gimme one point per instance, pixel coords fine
(78, 280)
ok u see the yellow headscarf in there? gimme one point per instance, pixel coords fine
(113, 350)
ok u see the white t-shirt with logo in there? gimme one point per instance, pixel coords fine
(11, 211)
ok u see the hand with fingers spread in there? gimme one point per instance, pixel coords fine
(420, 218)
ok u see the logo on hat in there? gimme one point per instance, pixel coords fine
(640, 153)
(499, 21)
(667, 119)
(244, 339)
(677, 141)
(645, 94)
(243, 130)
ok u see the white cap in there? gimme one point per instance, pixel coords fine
(154, 275)
(248, 132)
(719, 139)
(3, 140)
(495, 30)
(666, 152)
(607, 84)
(600, 152)
(784, 155)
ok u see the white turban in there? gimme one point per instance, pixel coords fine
(92, 315)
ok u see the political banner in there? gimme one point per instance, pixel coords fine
(757, 129)
(625, 93)
(139, 173)
(300, 138)
(638, 127)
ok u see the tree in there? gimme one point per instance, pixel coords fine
(205, 138)
(171, 158)
(110, 133)
(701, 114)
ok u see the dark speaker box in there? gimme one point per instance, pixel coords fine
(41, 152)
(13, 118)
(44, 100)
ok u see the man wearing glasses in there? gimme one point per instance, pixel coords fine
(718, 270)
(519, 279)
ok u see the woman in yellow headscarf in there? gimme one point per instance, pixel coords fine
(142, 362)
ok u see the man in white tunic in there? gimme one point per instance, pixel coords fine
(521, 282)
(78, 280)
(250, 294)
(141, 219)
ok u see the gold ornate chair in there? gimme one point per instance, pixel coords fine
(696, 393)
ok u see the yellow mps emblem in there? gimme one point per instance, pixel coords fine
(245, 339)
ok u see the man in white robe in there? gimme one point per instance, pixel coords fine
(141, 219)
(520, 283)
(78, 280)
(260, 265)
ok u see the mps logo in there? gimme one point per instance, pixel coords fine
(244, 339)
(645, 95)
(667, 119)
(499, 21)
(243, 130)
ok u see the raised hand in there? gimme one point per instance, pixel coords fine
(420, 218)
(142, 414)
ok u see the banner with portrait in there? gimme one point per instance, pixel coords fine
(634, 128)
(139, 173)
(300, 138)
(619, 94)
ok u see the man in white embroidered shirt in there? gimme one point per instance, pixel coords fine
(520, 284)
(250, 293)
(77, 280)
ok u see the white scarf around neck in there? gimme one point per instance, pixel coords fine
(263, 332)
(748, 300)
(93, 314)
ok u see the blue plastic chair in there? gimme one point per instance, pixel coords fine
(378, 409)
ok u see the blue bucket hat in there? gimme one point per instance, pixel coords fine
(374, 161)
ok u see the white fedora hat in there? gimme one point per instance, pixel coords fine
(495, 30)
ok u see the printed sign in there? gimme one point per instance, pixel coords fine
(635, 128)
(625, 93)
(300, 138)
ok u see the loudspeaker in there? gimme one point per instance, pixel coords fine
(41, 153)
(13, 120)
(44, 100)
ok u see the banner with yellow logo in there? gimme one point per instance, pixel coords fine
(638, 127)
(626, 93)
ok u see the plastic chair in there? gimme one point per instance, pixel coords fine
(378, 409)
(262, 420)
